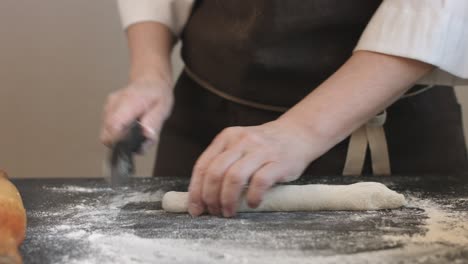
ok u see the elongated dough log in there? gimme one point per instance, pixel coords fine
(312, 197)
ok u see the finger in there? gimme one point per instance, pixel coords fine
(262, 181)
(110, 104)
(127, 109)
(112, 100)
(235, 180)
(218, 145)
(153, 120)
(213, 179)
(105, 137)
(196, 205)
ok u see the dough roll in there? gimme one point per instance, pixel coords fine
(312, 197)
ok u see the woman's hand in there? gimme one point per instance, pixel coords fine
(260, 156)
(150, 100)
(149, 95)
(280, 150)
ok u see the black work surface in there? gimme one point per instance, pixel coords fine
(85, 221)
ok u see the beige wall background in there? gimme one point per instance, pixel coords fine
(58, 61)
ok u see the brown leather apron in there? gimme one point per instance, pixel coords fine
(273, 53)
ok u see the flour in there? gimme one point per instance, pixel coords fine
(135, 197)
(442, 226)
(79, 220)
(76, 234)
(123, 226)
(63, 227)
(129, 248)
(79, 189)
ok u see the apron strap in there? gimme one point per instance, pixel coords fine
(371, 134)
(356, 152)
(237, 100)
(378, 145)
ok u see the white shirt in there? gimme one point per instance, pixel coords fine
(431, 31)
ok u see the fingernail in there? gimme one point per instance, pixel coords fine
(227, 212)
(150, 132)
(214, 211)
(253, 205)
(195, 209)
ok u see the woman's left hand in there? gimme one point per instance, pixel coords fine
(259, 156)
(279, 151)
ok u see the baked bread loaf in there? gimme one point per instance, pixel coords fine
(12, 221)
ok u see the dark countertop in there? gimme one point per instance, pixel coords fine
(85, 221)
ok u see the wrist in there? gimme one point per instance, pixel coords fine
(314, 141)
(152, 74)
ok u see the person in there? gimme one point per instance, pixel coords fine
(272, 90)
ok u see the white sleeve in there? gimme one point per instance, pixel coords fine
(172, 13)
(432, 31)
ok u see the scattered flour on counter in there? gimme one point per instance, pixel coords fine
(76, 234)
(131, 249)
(93, 224)
(63, 227)
(126, 247)
(80, 219)
(79, 189)
(442, 226)
(135, 197)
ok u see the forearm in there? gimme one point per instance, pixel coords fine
(364, 86)
(150, 46)
(148, 96)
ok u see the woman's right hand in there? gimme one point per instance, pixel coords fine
(148, 99)
(149, 95)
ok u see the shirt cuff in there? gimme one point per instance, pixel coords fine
(172, 13)
(433, 32)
